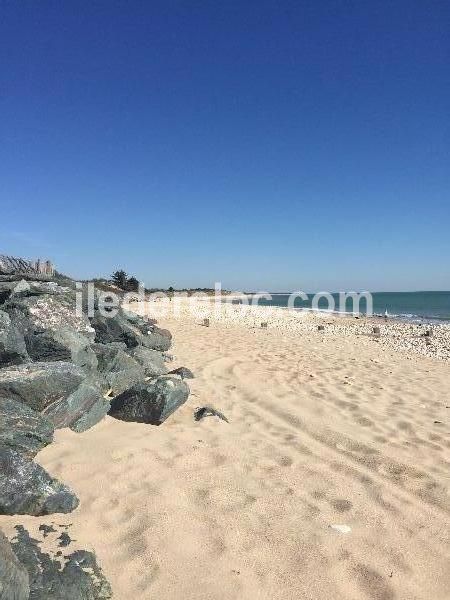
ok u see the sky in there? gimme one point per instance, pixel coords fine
(268, 145)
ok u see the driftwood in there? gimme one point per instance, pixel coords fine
(208, 411)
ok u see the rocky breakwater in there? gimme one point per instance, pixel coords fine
(60, 369)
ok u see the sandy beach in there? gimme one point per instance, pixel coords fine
(330, 480)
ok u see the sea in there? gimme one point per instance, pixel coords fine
(409, 306)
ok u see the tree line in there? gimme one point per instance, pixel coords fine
(124, 282)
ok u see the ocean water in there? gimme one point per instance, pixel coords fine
(410, 306)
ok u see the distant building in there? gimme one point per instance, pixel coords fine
(11, 265)
(44, 267)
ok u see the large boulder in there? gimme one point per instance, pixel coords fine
(113, 357)
(80, 579)
(62, 344)
(13, 350)
(26, 488)
(80, 411)
(22, 428)
(43, 347)
(120, 370)
(152, 361)
(150, 402)
(110, 329)
(40, 384)
(156, 339)
(131, 330)
(14, 584)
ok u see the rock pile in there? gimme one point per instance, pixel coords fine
(62, 369)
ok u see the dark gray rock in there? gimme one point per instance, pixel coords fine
(114, 329)
(23, 429)
(151, 402)
(113, 357)
(156, 339)
(141, 324)
(136, 319)
(62, 344)
(64, 539)
(80, 411)
(13, 350)
(42, 346)
(80, 579)
(120, 370)
(151, 360)
(119, 381)
(19, 319)
(6, 289)
(27, 489)
(40, 384)
(14, 584)
(183, 372)
(134, 332)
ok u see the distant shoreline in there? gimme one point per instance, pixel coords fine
(396, 334)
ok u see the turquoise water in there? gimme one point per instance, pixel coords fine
(411, 306)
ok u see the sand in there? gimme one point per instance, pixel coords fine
(329, 482)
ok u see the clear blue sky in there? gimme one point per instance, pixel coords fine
(268, 145)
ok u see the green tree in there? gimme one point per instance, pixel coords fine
(120, 278)
(132, 284)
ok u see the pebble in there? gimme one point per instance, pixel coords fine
(341, 528)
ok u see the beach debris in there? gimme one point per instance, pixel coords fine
(341, 528)
(320, 327)
(208, 411)
(205, 322)
(264, 325)
(376, 330)
(183, 372)
(427, 333)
